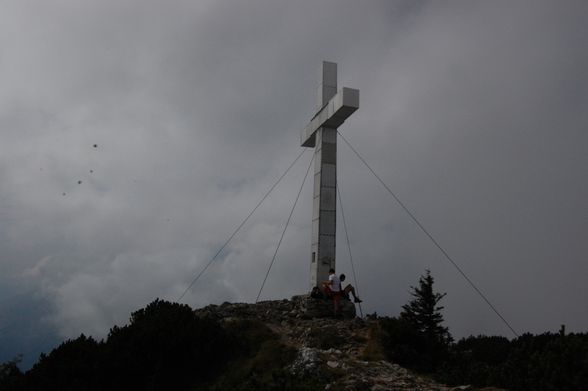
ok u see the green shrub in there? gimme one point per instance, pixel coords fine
(165, 346)
(10, 374)
(530, 362)
(262, 363)
(72, 365)
(406, 346)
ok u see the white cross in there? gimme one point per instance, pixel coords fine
(321, 132)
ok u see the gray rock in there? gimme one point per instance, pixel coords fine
(324, 343)
(320, 308)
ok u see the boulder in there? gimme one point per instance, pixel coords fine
(312, 308)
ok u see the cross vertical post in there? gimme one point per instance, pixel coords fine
(321, 133)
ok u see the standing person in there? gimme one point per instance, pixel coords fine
(333, 290)
(349, 289)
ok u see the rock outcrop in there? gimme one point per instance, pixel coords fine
(325, 344)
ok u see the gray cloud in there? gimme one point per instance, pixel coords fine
(473, 112)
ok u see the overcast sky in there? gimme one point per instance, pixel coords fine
(474, 112)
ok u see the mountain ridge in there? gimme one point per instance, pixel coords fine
(340, 351)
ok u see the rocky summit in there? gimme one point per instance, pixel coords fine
(336, 346)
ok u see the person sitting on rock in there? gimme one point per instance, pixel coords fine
(332, 289)
(349, 289)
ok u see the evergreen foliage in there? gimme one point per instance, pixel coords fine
(10, 373)
(165, 346)
(418, 341)
(262, 363)
(417, 338)
(544, 362)
(70, 366)
(423, 314)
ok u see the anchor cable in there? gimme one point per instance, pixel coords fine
(416, 221)
(284, 231)
(349, 248)
(240, 226)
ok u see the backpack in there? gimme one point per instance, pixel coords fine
(316, 293)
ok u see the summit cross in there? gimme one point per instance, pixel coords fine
(333, 108)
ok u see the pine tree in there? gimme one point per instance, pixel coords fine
(423, 313)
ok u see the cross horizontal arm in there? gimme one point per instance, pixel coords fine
(332, 115)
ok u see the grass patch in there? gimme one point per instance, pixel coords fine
(325, 338)
(373, 348)
(262, 362)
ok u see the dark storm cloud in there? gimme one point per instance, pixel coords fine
(474, 113)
